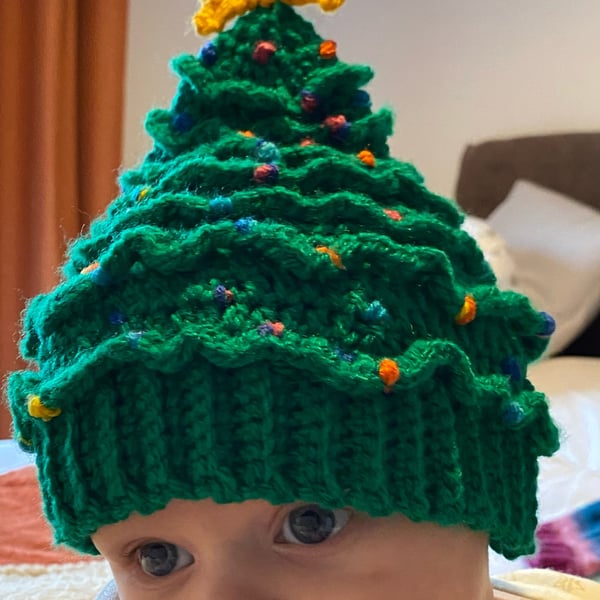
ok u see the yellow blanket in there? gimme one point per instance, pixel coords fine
(544, 584)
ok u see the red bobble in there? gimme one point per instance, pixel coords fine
(309, 101)
(266, 173)
(336, 123)
(263, 52)
(394, 215)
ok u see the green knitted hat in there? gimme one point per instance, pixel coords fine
(274, 308)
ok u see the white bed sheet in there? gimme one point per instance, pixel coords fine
(568, 480)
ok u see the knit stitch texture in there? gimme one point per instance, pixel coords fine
(274, 308)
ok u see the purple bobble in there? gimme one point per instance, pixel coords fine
(549, 325)
(223, 296)
(182, 122)
(208, 54)
(342, 133)
(265, 329)
(245, 225)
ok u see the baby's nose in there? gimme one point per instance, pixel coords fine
(246, 572)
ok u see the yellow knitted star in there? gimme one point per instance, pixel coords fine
(214, 14)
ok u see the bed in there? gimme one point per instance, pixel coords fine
(490, 173)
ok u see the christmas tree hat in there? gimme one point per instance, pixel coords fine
(275, 308)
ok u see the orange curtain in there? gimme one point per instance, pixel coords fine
(62, 68)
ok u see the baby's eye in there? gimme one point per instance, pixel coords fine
(161, 558)
(313, 524)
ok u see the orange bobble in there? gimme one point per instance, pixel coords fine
(278, 328)
(389, 373)
(336, 259)
(467, 312)
(37, 410)
(328, 50)
(393, 214)
(367, 157)
(87, 270)
(307, 142)
(247, 134)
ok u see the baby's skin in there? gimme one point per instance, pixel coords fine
(256, 551)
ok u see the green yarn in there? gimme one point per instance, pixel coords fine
(210, 355)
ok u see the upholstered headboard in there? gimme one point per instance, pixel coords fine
(568, 163)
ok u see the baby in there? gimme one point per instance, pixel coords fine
(277, 368)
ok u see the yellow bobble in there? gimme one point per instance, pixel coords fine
(215, 14)
(38, 411)
(467, 312)
(331, 5)
(143, 194)
(389, 373)
(90, 268)
(336, 259)
(367, 157)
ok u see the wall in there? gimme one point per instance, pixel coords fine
(454, 72)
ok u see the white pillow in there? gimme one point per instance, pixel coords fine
(494, 248)
(555, 243)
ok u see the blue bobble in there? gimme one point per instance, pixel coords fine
(513, 415)
(512, 368)
(265, 329)
(100, 276)
(117, 318)
(182, 122)
(245, 225)
(223, 297)
(25, 446)
(361, 99)
(136, 191)
(134, 337)
(549, 325)
(267, 152)
(345, 356)
(208, 54)
(221, 206)
(375, 312)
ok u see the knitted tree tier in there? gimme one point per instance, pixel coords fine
(274, 308)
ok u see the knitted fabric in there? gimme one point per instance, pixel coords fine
(274, 308)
